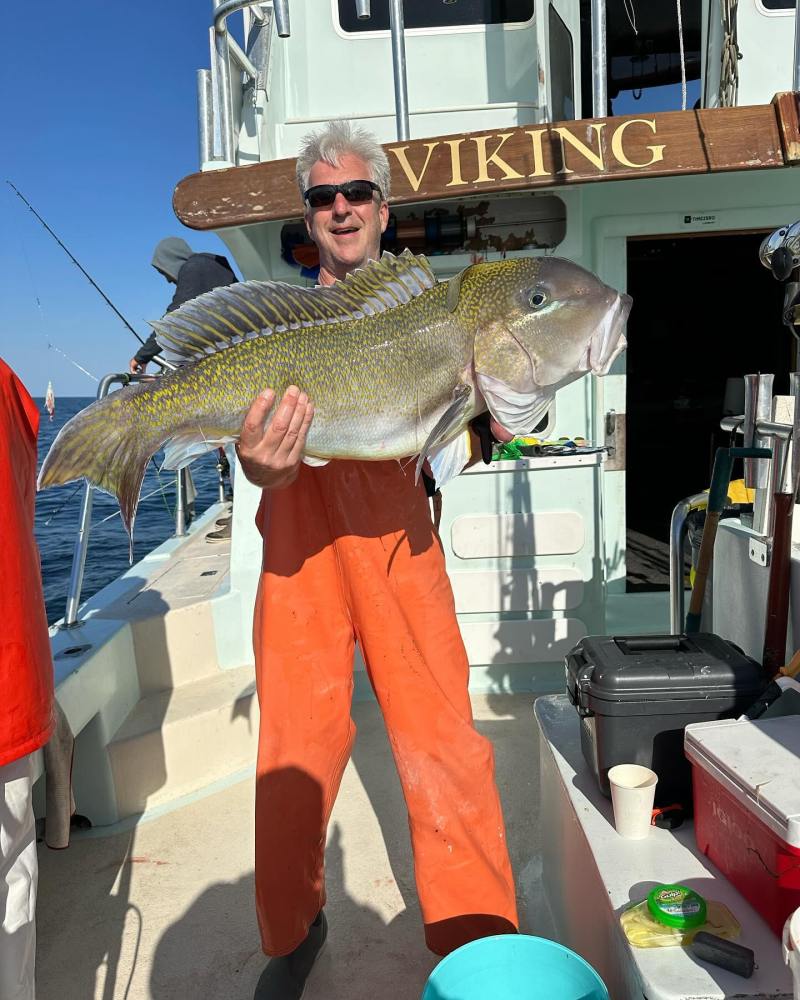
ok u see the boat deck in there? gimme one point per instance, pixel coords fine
(164, 908)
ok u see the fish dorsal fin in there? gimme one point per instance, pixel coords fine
(454, 289)
(251, 309)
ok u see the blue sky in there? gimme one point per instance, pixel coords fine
(99, 124)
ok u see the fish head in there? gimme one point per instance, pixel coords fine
(540, 323)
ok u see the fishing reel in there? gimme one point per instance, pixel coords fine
(780, 254)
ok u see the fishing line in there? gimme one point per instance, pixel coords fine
(64, 504)
(40, 313)
(147, 496)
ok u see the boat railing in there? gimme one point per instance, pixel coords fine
(777, 436)
(85, 520)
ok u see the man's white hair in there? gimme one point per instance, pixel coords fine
(335, 140)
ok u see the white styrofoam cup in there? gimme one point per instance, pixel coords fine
(633, 789)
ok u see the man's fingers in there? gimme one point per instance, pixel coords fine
(253, 426)
(295, 422)
(282, 417)
(297, 448)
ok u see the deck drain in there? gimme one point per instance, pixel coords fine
(209, 572)
(73, 650)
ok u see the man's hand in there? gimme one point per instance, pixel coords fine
(136, 367)
(271, 455)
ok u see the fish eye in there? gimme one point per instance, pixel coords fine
(537, 298)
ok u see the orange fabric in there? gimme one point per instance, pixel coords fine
(350, 554)
(26, 667)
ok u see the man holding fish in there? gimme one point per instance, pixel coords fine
(350, 554)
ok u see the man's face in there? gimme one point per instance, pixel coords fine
(347, 235)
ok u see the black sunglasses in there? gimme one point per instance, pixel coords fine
(356, 192)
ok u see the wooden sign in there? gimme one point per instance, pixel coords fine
(516, 159)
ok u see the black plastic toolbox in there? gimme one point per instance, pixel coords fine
(636, 694)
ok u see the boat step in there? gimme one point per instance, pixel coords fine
(176, 742)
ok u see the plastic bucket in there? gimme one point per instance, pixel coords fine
(791, 949)
(514, 967)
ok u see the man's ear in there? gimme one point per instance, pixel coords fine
(383, 211)
(306, 219)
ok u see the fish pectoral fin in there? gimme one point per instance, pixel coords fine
(447, 426)
(314, 462)
(450, 459)
(183, 448)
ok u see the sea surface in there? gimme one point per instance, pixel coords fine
(58, 513)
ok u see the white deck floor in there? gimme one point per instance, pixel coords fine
(165, 910)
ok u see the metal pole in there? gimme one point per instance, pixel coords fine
(180, 503)
(221, 96)
(281, 8)
(796, 79)
(762, 508)
(79, 560)
(677, 537)
(599, 75)
(205, 123)
(397, 25)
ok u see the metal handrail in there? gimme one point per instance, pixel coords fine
(677, 538)
(85, 520)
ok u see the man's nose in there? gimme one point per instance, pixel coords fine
(341, 206)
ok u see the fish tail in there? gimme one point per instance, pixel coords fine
(102, 447)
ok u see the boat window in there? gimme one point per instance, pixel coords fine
(476, 228)
(437, 14)
(778, 4)
(563, 98)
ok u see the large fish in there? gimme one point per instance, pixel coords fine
(395, 364)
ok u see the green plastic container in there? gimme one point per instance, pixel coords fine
(676, 906)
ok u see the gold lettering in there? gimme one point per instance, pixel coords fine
(657, 152)
(402, 159)
(581, 147)
(538, 153)
(455, 162)
(484, 160)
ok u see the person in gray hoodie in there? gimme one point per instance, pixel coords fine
(192, 274)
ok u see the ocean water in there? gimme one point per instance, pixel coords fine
(58, 513)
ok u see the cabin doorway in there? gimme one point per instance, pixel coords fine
(705, 312)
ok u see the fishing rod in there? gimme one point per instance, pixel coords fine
(82, 269)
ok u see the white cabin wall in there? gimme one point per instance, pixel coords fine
(766, 42)
(489, 69)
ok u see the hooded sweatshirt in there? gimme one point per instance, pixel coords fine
(193, 274)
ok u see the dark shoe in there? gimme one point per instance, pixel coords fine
(221, 521)
(285, 978)
(220, 536)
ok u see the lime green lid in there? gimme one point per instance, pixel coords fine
(677, 906)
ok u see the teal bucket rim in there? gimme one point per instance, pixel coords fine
(514, 939)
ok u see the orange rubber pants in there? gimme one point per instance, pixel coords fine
(350, 554)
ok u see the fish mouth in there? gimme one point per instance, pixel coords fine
(608, 340)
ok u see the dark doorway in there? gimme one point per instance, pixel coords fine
(705, 311)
